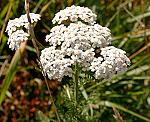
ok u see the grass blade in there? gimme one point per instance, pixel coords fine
(11, 71)
(111, 104)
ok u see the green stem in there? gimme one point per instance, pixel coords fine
(76, 78)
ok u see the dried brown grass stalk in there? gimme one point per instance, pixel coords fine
(117, 115)
(31, 31)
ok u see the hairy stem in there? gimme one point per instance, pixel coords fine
(76, 88)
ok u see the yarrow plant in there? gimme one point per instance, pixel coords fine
(15, 29)
(78, 45)
(79, 39)
(79, 53)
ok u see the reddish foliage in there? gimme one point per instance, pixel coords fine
(27, 98)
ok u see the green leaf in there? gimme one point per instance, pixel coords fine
(138, 70)
(8, 78)
(111, 104)
(40, 117)
(11, 71)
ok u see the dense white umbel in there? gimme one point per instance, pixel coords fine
(16, 26)
(16, 38)
(78, 42)
(75, 13)
(79, 36)
(54, 63)
(111, 61)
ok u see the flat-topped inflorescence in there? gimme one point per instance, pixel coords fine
(111, 61)
(84, 42)
(54, 63)
(75, 13)
(79, 36)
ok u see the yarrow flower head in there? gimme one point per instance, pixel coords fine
(111, 61)
(75, 13)
(55, 64)
(16, 38)
(16, 26)
(79, 36)
(78, 42)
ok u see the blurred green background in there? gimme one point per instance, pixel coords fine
(129, 22)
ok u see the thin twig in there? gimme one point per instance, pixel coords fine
(111, 19)
(138, 20)
(139, 51)
(45, 7)
(138, 17)
(6, 19)
(31, 31)
(3, 66)
(117, 115)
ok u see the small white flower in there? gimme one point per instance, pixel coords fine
(16, 38)
(13, 25)
(34, 18)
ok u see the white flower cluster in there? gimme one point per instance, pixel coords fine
(75, 13)
(15, 27)
(79, 36)
(16, 38)
(84, 58)
(78, 42)
(111, 61)
(55, 64)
